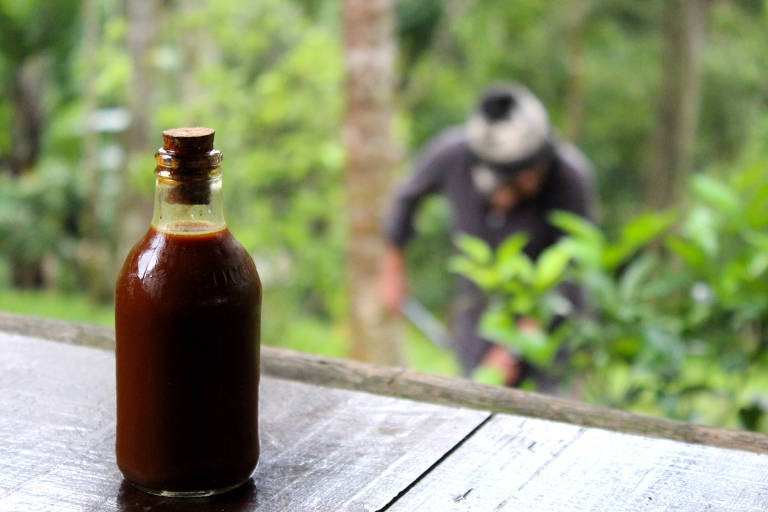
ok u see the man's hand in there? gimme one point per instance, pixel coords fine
(506, 362)
(528, 325)
(393, 288)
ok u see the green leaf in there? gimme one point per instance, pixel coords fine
(693, 255)
(635, 235)
(523, 303)
(474, 248)
(627, 346)
(489, 375)
(701, 228)
(461, 265)
(587, 255)
(757, 239)
(646, 227)
(497, 324)
(577, 227)
(635, 275)
(481, 275)
(511, 247)
(716, 193)
(518, 268)
(511, 262)
(551, 266)
(662, 343)
(534, 345)
(758, 264)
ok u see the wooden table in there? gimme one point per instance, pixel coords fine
(328, 449)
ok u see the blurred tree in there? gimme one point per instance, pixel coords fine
(684, 32)
(33, 35)
(266, 75)
(35, 38)
(416, 24)
(142, 26)
(134, 208)
(577, 15)
(267, 79)
(92, 242)
(371, 156)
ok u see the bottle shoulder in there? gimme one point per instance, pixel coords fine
(199, 263)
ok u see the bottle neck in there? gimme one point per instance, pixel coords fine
(188, 197)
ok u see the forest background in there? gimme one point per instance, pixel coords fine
(667, 98)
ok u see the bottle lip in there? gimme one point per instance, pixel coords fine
(175, 166)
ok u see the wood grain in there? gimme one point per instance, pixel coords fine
(68, 332)
(521, 464)
(464, 393)
(322, 449)
(403, 383)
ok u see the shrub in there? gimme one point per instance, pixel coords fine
(677, 307)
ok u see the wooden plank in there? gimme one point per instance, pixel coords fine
(69, 332)
(404, 383)
(399, 382)
(516, 464)
(322, 449)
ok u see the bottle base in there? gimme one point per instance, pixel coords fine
(187, 494)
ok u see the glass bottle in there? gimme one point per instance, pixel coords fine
(187, 318)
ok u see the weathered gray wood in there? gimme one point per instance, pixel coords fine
(460, 392)
(403, 383)
(322, 449)
(69, 332)
(520, 464)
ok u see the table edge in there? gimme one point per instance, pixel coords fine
(404, 383)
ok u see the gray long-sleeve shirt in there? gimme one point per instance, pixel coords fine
(445, 168)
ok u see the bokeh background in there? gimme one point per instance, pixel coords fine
(669, 99)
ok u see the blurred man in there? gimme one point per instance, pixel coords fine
(502, 173)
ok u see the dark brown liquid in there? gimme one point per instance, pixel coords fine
(187, 323)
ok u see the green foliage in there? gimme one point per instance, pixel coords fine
(45, 204)
(30, 27)
(277, 116)
(422, 354)
(525, 289)
(678, 301)
(428, 255)
(677, 310)
(53, 304)
(489, 375)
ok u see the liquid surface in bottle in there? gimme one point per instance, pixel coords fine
(187, 322)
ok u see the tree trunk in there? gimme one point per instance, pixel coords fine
(142, 16)
(27, 130)
(94, 254)
(26, 274)
(671, 155)
(371, 156)
(26, 142)
(574, 86)
(134, 210)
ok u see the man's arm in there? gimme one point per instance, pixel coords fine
(427, 178)
(393, 288)
(575, 191)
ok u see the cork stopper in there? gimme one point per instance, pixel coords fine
(188, 141)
